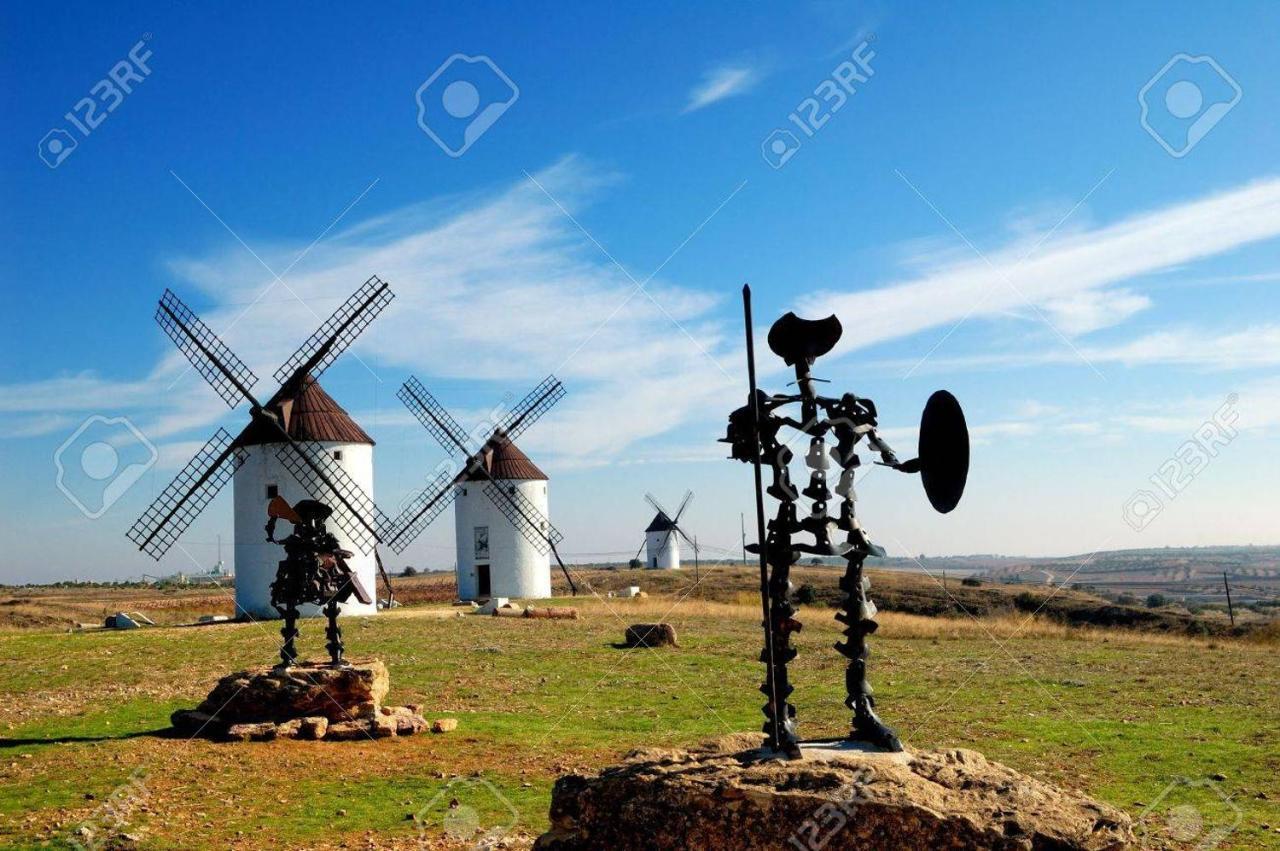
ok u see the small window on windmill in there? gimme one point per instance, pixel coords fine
(337, 454)
(482, 542)
(272, 491)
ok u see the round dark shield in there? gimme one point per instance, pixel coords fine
(944, 451)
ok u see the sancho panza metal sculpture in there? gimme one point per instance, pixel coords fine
(755, 436)
(314, 570)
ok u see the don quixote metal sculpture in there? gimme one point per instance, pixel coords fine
(754, 435)
(314, 570)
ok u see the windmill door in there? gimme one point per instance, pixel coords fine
(482, 578)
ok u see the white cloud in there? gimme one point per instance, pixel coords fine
(719, 83)
(1066, 266)
(1082, 312)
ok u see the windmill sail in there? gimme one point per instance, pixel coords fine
(531, 408)
(333, 337)
(186, 496)
(433, 416)
(525, 516)
(226, 373)
(420, 512)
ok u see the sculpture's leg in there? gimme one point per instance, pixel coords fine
(334, 634)
(777, 682)
(858, 615)
(289, 632)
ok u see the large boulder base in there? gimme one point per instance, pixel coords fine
(307, 701)
(838, 796)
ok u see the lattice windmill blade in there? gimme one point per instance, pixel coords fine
(333, 337)
(186, 496)
(525, 516)
(443, 427)
(653, 500)
(531, 408)
(684, 503)
(317, 471)
(420, 512)
(226, 373)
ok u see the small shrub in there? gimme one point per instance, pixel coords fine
(1156, 601)
(971, 581)
(409, 570)
(635, 564)
(806, 595)
(1127, 600)
(1027, 602)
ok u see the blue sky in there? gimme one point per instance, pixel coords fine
(985, 211)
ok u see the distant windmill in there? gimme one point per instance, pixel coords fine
(299, 444)
(503, 533)
(662, 538)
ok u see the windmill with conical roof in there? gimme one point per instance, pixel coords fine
(662, 536)
(500, 500)
(299, 445)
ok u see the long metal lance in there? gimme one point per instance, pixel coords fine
(774, 719)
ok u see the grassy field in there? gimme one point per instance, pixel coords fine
(1117, 714)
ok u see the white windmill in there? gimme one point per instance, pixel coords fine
(504, 536)
(662, 537)
(299, 445)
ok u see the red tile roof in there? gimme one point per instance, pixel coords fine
(309, 414)
(507, 463)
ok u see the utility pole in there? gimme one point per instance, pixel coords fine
(1226, 583)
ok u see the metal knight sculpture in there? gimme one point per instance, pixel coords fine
(314, 570)
(754, 435)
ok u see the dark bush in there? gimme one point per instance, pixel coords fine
(806, 595)
(1156, 601)
(971, 581)
(409, 570)
(635, 564)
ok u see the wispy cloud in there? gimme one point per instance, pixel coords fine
(1072, 276)
(723, 81)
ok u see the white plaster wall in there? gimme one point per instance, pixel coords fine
(516, 567)
(256, 559)
(668, 556)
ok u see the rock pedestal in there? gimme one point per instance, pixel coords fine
(837, 797)
(307, 701)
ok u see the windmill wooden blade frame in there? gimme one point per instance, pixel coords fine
(525, 516)
(443, 427)
(229, 376)
(653, 500)
(337, 332)
(421, 512)
(316, 470)
(186, 496)
(684, 503)
(531, 408)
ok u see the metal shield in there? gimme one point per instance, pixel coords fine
(944, 451)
